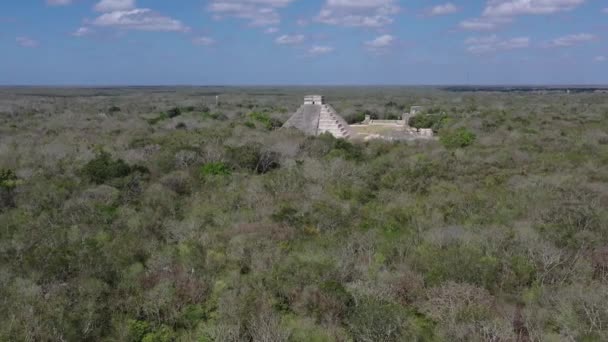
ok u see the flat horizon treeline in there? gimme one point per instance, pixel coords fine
(211, 224)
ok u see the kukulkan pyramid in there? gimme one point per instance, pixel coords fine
(315, 117)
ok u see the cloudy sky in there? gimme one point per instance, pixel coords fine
(104, 42)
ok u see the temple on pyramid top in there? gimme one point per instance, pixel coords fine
(314, 100)
(315, 117)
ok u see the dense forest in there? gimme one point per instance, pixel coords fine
(158, 214)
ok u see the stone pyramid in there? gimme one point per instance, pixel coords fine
(315, 117)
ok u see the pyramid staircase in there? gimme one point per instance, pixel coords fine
(306, 119)
(333, 123)
(315, 118)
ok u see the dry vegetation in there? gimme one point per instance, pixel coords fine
(153, 215)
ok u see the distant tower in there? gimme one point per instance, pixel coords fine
(217, 100)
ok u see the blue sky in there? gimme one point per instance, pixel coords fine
(213, 42)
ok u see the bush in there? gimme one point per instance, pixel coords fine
(355, 118)
(434, 121)
(290, 216)
(268, 122)
(103, 168)
(154, 121)
(373, 320)
(252, 158)
(347, 150)
(8, 182)
(174, 112)
(244, 157)
(114, 109)
(458, 138)
(215, 116)
(214, 169)
(8, 179)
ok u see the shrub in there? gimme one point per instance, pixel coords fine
(154, 121)
(137, 329)
(289, 216)
(162, 334)
(244, 157)
(214, 116)
(458, 138)
(114, 109)
(266, 120)
(8, 179)
(373, 320)
(8, 182)
(173, 112)
(103, 168)
(355, 118)
(434, 121)
(215, 169)
(347, 150)
(252, 158)
(334, 300)
(392, 116)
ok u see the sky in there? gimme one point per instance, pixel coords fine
(303, 42)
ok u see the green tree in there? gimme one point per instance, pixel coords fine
(458, 138)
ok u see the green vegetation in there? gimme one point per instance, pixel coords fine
(8, 179)
(8, 183)
(268, 122)
(433, 121)
(457, 138)
(103, 168)
(215, 169)
(174, 112)
(112, 229)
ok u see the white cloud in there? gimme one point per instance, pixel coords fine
(142, 19)
(27, 42)
(82, 31)
(600, 59)
(257, 12)
(114, 5)
(58, 2)
(358, 13)
(203, 41)
(271, 30)
(499, 12)
(510, 8)
(290, 40)
(484, 23)
(447, 8)
(320, 50)
(571, 39)
(605, 10)
(381, 42)
(489, 44)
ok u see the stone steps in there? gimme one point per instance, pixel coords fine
(318, 119)
(331, 122)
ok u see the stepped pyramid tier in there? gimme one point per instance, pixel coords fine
(315, 117)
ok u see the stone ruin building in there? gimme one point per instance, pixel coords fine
(316, 117)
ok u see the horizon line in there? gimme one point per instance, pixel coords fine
(118, 85)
